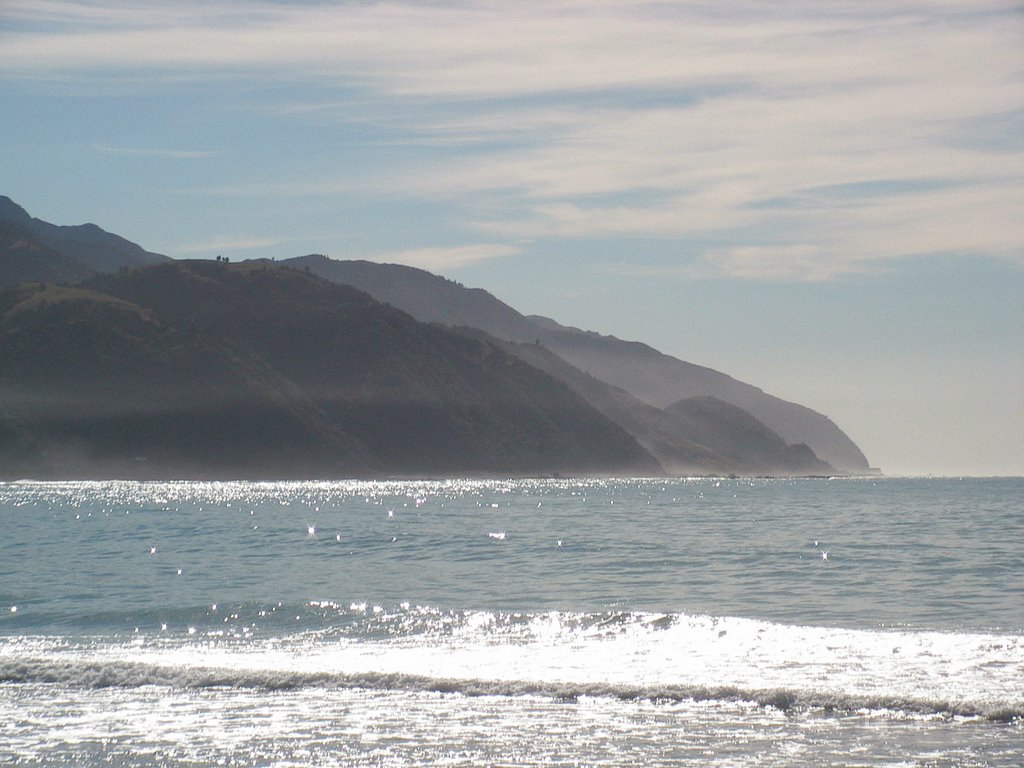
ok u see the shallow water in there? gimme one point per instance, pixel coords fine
(612, 622)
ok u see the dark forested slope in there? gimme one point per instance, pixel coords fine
(35, 250)
(651, 376)
(253, 370)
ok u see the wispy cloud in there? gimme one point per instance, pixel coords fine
(291, 188)
(447, 257)
(575, 119)
(170, 154)
(487, 48)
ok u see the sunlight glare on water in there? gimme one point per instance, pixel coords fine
(595, 622)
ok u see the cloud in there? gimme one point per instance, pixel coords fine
(737, 122)
(171, 154)
(487, 48)
(447, 257)
(798, 263)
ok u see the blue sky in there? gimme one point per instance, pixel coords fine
(822, 199)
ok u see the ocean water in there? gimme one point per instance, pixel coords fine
(558, 623)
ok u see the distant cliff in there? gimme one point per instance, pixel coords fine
(693, 437)
(305, 379)
(653, 377)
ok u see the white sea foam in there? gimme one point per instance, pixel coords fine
(420, 640)
(563, 655)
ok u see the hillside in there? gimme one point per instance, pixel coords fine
(24, 258)
(94, 387)
(651, 376)
(744, 440)
(426, 296)
(35, 250)
(661, 380)
(204, 369)
(630, 385)
(685, 440)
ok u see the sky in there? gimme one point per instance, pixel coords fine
(825, 200)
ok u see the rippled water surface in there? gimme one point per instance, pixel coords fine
(611, 622)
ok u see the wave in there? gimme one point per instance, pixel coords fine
(97, 674)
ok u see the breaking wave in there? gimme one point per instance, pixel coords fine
(121, 674)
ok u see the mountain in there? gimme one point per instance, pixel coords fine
(719, 439)
(426, 296)
(742, 439)
(269, 337)
(95, 387)
(35, 250)
(204, 369)
(661, 380)
(651, 376)
(24, 258)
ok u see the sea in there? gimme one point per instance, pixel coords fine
(558, 622)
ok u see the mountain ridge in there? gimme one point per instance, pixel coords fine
(204, 369)
(651, 376)
(32, 249)
(682, 444)
(631, 386)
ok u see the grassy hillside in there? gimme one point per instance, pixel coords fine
(392, 388)
(24, 258)
(93, 386)
(32, 250)
(204, 369)
(694, 437)
(649, 375)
